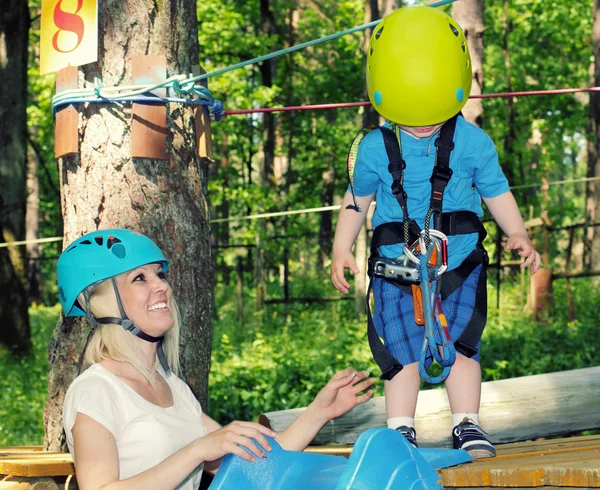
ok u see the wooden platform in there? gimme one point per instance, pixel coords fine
(558, 463)
(571, 462)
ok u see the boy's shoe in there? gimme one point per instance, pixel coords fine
(409, 433)
(473, 439)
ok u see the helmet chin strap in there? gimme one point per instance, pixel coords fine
(126, 323)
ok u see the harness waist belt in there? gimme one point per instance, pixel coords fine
(457, 223)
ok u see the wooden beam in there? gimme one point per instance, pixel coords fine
(66, 125)
(512, 410)
(149, 120)
(203, 129)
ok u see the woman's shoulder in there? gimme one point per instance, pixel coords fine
(95, 381)
(182, 390)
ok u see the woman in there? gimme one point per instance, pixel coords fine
(130, 421)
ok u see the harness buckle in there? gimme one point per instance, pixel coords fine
(441, 173)
(399, 270)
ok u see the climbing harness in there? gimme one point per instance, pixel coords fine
(408, 270)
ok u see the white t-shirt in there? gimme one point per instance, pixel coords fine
(146, 434)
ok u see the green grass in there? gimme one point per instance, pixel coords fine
(24, 384)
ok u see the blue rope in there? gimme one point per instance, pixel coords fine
(187, 86)
(215, 106)
(431, 346)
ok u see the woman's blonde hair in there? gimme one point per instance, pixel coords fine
(112, 341)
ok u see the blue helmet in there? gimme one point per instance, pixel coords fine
(100, 255)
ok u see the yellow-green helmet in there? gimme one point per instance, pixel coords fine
(418, 67)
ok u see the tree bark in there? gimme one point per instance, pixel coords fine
(266, 175)
(592, 214)
(103, 187)
(469, 15)
(32, 220)
(14, 33)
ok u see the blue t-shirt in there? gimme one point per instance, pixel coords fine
(476, 173)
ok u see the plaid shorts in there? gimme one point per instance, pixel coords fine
(395, 321)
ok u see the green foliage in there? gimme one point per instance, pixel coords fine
(277, 361)
(520, 346)
(23, 384)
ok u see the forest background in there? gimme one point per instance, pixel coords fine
(271, 351)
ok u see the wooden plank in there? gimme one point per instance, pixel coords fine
(512, 410)
(149, 120)
(66, 124)
(55, 464)
(20, 449)
(30, 484)
(203, 128)
(564, 470)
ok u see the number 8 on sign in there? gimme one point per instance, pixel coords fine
(69, 34)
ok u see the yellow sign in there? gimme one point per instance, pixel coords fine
(69, 34)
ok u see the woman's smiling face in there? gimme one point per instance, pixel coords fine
(146, 297)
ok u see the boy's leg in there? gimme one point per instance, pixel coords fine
(401, 394)
(464, 393)
(464, 385)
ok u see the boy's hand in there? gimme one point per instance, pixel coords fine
(522, 245)
(339, 263)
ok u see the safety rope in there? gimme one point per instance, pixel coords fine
(367, 103)
(437, 343)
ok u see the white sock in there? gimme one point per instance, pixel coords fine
(396, 422)
(457, 418)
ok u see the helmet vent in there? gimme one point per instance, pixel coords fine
(71, 248)
(454, 30)
(111, 241)
(99, 240)
(371, 51)
(462, 46)
(378, 33)
(85, 242)
(119, 250)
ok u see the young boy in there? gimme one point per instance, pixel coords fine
(419, 78)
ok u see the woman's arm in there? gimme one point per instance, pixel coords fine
(343, 392)
(97, 457)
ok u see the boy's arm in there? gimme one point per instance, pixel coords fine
(348, 226)
(505, 211)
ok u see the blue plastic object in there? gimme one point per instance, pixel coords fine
(381, 459)
(99, 255)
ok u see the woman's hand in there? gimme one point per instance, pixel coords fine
(233, 438)
(344, 391)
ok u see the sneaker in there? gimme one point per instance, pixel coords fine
(473, 439)
(409, 433)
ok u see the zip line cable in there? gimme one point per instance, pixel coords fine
(367, 103)
(301, 211)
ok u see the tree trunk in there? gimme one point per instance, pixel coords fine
(32, 220)
(267, 71)
(103, 187)
(14, 33)
(511, 135)
(469, 15)
(326, 218)
(592, 234)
